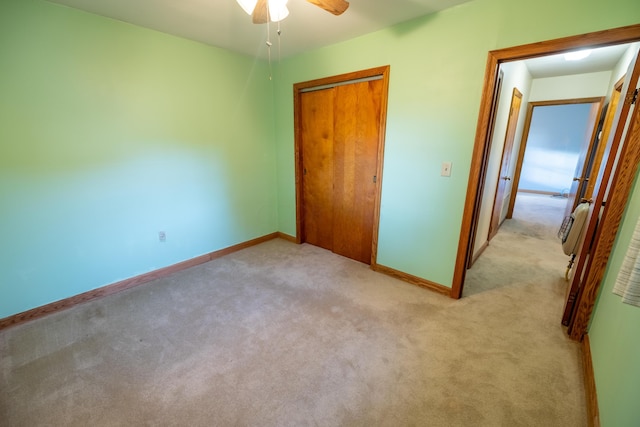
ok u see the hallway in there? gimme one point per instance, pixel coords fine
(525, 252)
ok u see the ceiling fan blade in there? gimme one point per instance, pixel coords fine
(337, 7)
(260, 14)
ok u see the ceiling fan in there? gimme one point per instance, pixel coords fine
(263, 11)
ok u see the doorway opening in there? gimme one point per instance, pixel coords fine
(483, 146)
(559, 141)
(505, 186)
(556, 137)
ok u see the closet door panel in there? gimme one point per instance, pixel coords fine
(355, 152)
(318, 166)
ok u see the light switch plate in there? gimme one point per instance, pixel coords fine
(446, 169)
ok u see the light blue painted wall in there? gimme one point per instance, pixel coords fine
(556, 134)
(110, 133)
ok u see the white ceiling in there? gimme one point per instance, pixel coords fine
(223, 23)
(601, 59)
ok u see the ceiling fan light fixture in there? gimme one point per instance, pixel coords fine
(278, 10)
(265, 11)
(247, 5)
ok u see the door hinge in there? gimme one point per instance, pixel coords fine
(375, 179)
(635, 97)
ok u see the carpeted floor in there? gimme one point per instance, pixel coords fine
(526, 250)
(292, 335)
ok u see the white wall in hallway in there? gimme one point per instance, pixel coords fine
(570, 87)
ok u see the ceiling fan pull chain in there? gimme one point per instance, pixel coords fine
(279, 44)
(269, 45)
(269, 54)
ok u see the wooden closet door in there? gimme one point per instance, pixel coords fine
(356, 130)
(317, 166)
(340, 131)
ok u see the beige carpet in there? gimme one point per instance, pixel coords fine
(288, 335)
(526, 250)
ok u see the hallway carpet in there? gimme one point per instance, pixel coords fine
(293, 335)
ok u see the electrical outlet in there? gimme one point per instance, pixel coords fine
(446, 169)
(162, 236)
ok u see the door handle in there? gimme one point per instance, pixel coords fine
(575, 178)
(506, 178)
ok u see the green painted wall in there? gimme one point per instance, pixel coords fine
(437, 70)
(615, 337)
(110, 133)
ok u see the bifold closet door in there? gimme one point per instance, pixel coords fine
(355, 152)
(317, 166)
(340, 136)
